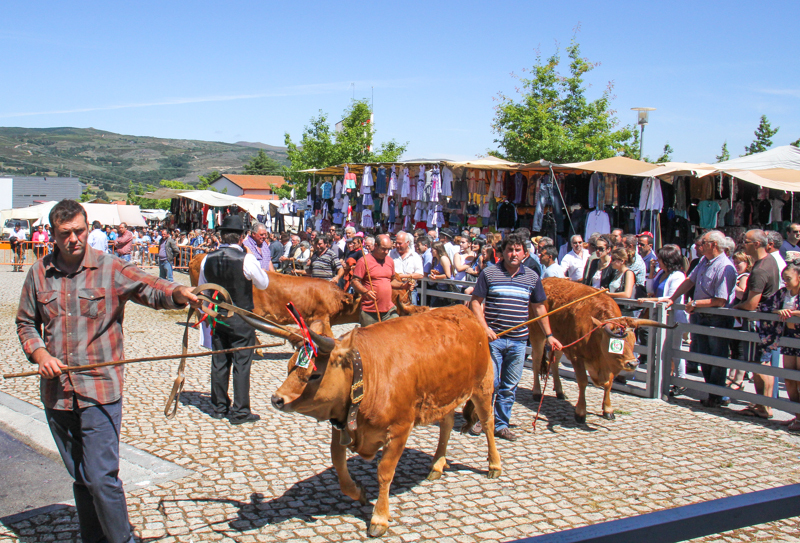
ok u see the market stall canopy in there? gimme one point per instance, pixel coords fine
(786, 156)
(163, 194)
(217, 199)
(773, 178)
(618, 165)
(32, 213)
(154, 214)
(112, 214)
(679, 168)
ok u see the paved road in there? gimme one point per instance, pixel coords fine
(29, 480)
(273, 481)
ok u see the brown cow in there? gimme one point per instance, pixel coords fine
(317, 300)
(592, 353)
(416, 371)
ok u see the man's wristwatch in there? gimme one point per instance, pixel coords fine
(693, 304)
(548, 335)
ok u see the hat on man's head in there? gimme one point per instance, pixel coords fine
(646, 233)
(446, 232)
(232, 223)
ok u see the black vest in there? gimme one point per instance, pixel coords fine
(225, 267)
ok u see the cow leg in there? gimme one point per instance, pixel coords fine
(582, 379)
(392, 452)
(440, 458)
(608, 411)
(559, 390)
(537, 350)
(339, 457)
(485, 411)
(326, 326)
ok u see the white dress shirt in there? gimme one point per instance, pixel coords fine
(252, 270)
(98, 240)
(574, 263)
(410, 263)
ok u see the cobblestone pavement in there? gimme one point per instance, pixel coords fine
(273, 481)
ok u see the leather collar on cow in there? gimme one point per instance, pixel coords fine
(356, 395)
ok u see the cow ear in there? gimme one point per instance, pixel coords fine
(596, 322)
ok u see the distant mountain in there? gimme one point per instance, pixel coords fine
(112, 161)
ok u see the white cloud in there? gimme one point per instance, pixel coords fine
(297, 90)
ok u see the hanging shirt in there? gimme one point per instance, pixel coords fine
(326, 190)
(597, 221)
(650, 197)
(708, 210)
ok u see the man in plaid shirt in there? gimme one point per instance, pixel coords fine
(70, 313)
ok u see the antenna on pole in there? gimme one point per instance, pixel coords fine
(353, 86)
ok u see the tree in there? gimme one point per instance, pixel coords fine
(178, 185)
(320, 146)
(796, 142)
(206, 181)
(763, 140)
(724, 154)
(554, 119)
(261, 164)
(665, 154)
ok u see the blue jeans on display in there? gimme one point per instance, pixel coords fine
(713, 346)
(88, 441)
(547, 196)
(165, 270)
(508, 356)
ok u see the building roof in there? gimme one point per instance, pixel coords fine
(260, 196)
(255, 182)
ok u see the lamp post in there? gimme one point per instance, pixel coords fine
(642, 119)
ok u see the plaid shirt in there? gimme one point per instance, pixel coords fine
(78, 318)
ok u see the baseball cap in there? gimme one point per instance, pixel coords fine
(645, 233)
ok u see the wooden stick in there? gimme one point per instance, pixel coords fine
(146, 359)
(504, 332)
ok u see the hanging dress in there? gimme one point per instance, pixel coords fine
(405, 191)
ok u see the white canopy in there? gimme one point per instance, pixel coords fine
(218, 199)
(105, 213)
(679, 168)
(32, 213)
(786, 156)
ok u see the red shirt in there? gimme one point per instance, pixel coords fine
(381, 274)
(124, 243)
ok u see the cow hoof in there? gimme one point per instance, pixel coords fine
(434, 475)
(609, 416)
(580, 419)
(362, 494)
(377, 530)
(537, 397)
(494, 473)
(561, 396)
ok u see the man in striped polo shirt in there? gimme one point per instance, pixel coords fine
(506, 295)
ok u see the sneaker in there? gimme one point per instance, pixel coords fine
(506, 434)
(252, 417)
(476, 429)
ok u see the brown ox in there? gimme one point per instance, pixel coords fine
(315, 299)
(593, 352)
(416, 371)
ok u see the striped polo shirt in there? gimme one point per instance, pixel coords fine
(506, 298)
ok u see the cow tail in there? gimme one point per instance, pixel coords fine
(470, 416)
(544, 366)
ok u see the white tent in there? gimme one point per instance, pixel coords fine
(105, 213)
(218, 199)
(786, 156)
(32, 213)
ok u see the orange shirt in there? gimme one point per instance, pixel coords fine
(381, 274)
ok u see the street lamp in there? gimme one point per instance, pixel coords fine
(643, 119)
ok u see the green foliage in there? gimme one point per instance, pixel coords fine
(665, 154)
(101, 194)
(724, 154)
(205, 181)
(763, 140)
(796, 142)
(261, 164)
(178, 185)
(321, 147)
(554, 120)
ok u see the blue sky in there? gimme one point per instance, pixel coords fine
(231, 71)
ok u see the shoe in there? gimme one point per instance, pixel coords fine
(677, 391)
(506, 434)
(252, 417)
(476, 429)
(217, 415)
(711, 402)
(755, 411)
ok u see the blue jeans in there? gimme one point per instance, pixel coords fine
(165, 270)
(508, 356)
(88, 440)
(126, 258)
(547, 196)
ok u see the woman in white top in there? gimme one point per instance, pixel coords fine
(663, 286)
(463, 259)
(305, 253)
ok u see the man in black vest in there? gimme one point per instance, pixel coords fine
(237, 271)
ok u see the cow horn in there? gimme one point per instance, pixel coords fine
(648, 322)
(608, 330)
(325, 343)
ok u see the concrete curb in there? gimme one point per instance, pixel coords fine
(138, 469)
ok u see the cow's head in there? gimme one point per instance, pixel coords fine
(320, 390)
(619, 339)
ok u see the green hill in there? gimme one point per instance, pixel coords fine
(112, 161)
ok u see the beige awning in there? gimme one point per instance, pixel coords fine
(773, 178)
(618, 165)
(670, 169)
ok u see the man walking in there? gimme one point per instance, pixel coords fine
(506, 295)
(238, 272)
(123, 245)
(167, 249)
(77, 288)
